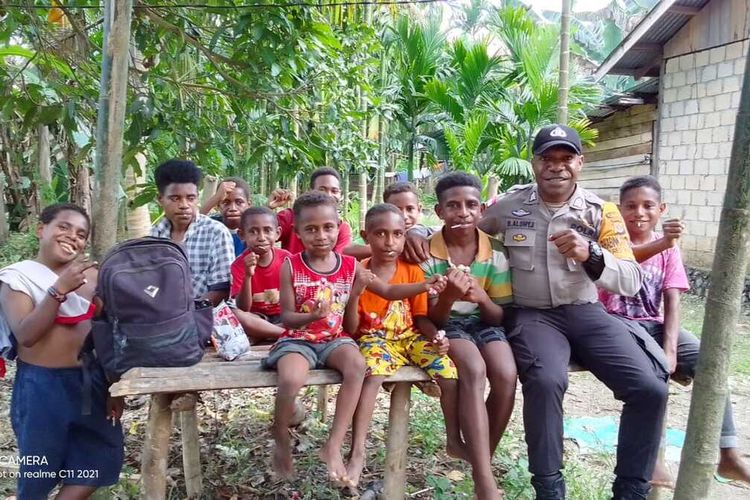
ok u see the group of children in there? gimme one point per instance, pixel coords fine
(322, 307)
(324, 299)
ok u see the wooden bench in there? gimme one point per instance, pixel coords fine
(213, 374)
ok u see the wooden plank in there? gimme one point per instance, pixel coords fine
(606, 134)
(628, 120)
(629, 140)
(614, 162)
(156, 448)
(614, 173)
(644, 148)
(191, 458)
(398, 442)
(226, 376)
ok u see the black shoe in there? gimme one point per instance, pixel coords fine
(630, 489)
(550, 487)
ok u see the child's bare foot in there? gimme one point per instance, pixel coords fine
(731, 466)
(283, 468)
(354, 469)
(335, 464)
(457, 450)
(662, 477)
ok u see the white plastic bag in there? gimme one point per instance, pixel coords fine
(228, 336)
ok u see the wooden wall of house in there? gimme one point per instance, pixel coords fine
(623, 150)
(718, 23)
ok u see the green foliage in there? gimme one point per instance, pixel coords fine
(20, 246)
(268, 94)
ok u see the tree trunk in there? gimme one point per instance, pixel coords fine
(410, 156)
(110, 121)
(492, 187)
(562, 93)
(138, 219)
(382, 159)
(210, 185)
(4, 229)
(263, 178)
(362, 197)
(720, 321)
(45, 172)
(344, 191)
(80, 193)
(294, 185)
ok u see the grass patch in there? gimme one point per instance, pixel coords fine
(693, 309)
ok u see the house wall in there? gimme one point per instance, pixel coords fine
(623, 149)
(699, 96)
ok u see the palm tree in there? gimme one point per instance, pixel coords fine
(531, 87)
(418, 56)
(461, 97)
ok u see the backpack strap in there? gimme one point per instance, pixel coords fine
(88, 360)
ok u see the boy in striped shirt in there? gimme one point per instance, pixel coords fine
(470, 312)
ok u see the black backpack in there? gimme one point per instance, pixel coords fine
(149, 318)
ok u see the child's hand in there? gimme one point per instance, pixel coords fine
(457, 284)
(362, 279)
(475, 294)
(671, 360)
(225, 189)
(74, 277)
(251, 261)
(278, 198)
(321, 310)
(115, 407)
(673, 229)
(436, 284)
(441, 343)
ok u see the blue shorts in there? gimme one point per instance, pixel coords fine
(473, 330)
(56, 442)
(316, 354)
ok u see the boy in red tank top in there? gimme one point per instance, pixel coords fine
(318, 289)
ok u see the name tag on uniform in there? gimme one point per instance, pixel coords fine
(520, 224)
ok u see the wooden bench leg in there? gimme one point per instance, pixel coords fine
(191, 460)
(323, 402)
(156, 448)
(398, 442)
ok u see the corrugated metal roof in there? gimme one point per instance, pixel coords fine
(645, 91)
(646, 40)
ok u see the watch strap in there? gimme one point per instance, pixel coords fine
(60, 297)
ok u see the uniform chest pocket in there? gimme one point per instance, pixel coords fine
(520, 245)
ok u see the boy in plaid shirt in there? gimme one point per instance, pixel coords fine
(208, 243)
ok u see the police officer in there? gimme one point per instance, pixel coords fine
(563, 242)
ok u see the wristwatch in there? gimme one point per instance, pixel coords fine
(595, 251)
(594, 265)
(60, 297)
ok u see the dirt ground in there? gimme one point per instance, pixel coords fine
(588, 397)
(235, 446)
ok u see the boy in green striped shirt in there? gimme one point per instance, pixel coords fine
(470, 311)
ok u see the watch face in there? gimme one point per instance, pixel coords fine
(595, 249)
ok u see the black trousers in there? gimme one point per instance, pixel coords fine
(543, 342)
